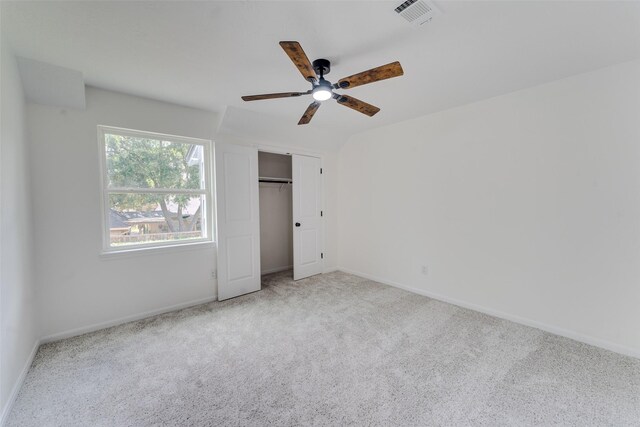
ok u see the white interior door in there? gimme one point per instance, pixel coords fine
(238, 219)
(307, 227)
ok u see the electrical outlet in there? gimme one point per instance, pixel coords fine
(214, 274)
(425, 270)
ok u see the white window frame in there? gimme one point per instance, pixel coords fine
(207, 192)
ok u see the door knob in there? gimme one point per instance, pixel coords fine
(297, 224)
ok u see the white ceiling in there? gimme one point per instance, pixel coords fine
(208, 54)
(48, 84)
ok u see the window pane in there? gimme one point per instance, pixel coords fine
(136, 219)
(139, 162)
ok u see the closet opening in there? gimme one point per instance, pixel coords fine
(276, 213)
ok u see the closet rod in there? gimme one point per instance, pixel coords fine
(276, 180)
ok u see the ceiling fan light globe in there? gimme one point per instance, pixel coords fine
(322, 94)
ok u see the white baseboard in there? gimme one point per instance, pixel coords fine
(276, 270)
(126, 319)
(587, 339)
(18, 385)
(290, 267)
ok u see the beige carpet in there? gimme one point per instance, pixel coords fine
(334, 349)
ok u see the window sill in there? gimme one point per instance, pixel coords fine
(157, 250)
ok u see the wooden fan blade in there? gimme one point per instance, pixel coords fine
(383, 72)
(300, 60)
(308, 114)
(356, 104)
(272, 96)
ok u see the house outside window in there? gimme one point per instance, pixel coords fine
(155, 189)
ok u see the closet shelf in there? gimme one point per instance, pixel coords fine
(277, 180)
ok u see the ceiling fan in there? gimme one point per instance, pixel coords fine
(322, 89)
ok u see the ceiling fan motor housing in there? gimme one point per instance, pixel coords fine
(322, 66)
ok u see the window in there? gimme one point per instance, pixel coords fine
(155, 189)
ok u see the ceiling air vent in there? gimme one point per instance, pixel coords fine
(417, 12)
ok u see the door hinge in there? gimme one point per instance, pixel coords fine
(320, 171)
(321, 255)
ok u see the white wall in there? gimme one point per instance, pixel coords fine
(18, 320)
(527, 205)
(77, 287)
(276, 214)
(274, 165)
(331, 212)
(276, 232)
